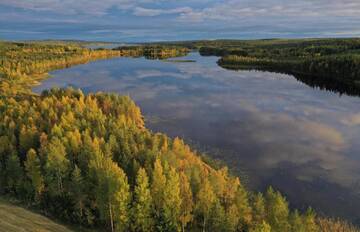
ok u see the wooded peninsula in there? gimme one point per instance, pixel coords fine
(332, 64)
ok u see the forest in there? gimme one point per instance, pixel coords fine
(88, 159)
(155, 51)
(23, 65)
(325, 60)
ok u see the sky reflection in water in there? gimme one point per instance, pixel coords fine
(270, 127)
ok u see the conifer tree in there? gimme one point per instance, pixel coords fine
(157, 187)
(232, 218)
(262, 227)
(217, 217)
(243, 206)
(142, 205)
(112, 194)
(5, 149)
(296, 222)
(33, 171)
(186, 201)
(310, 220)
(56, 167)
(172, 201)
(258, 208)
(277, 211)
(77, 192)
(14, 173)
(204, 202)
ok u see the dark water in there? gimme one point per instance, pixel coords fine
(271, 128)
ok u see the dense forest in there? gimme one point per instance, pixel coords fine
(330, 59)
(325, 60)
(89, 160)
(24, 64)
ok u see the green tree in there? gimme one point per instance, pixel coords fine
(14, 173)
(77, 192)
(310, 220)
(172, 201)
(142, 205)
(204, 202)
(5, 149)
(187, 203)
(56, 167)
(33, 171)
(26, 139)
(112, 194)
(217, 218)
(73, 145)
(157, 187)
(232, 218)
(296, 222)
(277, 211)
(258, 208)
(243, 206)
(262, 227)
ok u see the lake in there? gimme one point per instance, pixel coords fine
(270, 128)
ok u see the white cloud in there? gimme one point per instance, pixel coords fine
(193, 19)
(140, 11)
(20, 31)
(208, 10)
(243, 9)
(91, 7)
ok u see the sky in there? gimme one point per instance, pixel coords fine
(170, 20)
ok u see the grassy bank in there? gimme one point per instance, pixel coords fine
(14, 218)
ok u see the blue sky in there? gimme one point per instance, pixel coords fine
(159, 20)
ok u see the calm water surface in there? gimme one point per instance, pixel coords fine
(269, 127)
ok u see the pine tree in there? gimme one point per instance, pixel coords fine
(5, 149)
(14, 173)
(142, 205)
(310, 220)
(262, 227)
(186, 201)
(277, 211)
(217, 218)
(232, 218)
(73, 145)
(112, 194)
(172, 201)
(56, 167)
(26, 139)
(157, 188)
(204, 202)
(243, 206)
(296, 222)
(258, 208)
(77, 192)
(33, 171)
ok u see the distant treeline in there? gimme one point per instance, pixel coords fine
(24, 64)
(341, 67)
(323, 58)
(155, 51)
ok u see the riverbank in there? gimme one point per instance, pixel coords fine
(25, 64)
